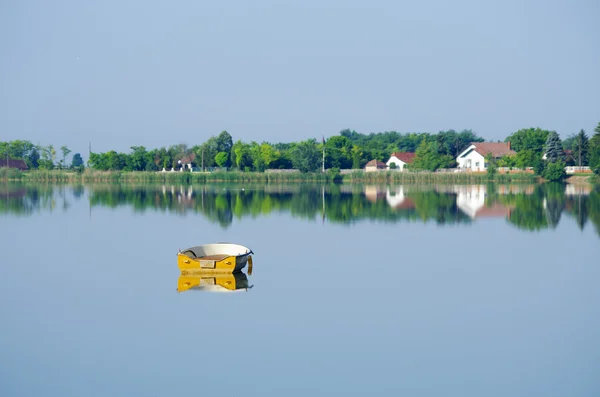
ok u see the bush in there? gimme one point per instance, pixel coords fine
(539, 167)
(555, 171)
(334, 174)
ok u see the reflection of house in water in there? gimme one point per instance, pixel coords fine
(374, 193)
(18, 193)
(183, 194)
(396, 198)
(577, 190)
(471, 200)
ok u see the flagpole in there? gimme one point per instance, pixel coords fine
(323, 168)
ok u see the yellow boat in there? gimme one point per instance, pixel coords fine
(211, 282)
(218, 258)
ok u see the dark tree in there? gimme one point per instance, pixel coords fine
(594, 151)
(581, 149)
(32, 159)
(553, 147)
(77, 160)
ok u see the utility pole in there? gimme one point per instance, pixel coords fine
(203, 160)
(580, 147)
(323, 168)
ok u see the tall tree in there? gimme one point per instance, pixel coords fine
(32, 158)
(136, 161)
(224, 143)
(426, 157)
(241, 155)
(581, 149)
(356, 157)
(553, 148)
(65, 152)
(594, 151)
(77, 161)
(306, 156)
(528, 138)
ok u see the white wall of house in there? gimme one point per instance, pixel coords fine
(471, 198)
(399, 163)
(395, 197)
(473, 160)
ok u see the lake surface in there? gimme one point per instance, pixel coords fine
(420, 290)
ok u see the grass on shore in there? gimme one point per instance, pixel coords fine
(89, 176)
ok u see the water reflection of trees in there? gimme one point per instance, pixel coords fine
(23, 200)
(528, 207)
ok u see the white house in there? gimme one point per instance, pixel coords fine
(473, 157)
(400, 159)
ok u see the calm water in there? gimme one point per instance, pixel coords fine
(404, 290)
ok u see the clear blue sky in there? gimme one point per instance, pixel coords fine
(123, 73)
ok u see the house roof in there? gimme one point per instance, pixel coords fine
(495, 211)
(406, 157)
(497, 149)
(20, 164)
(405, 204)
(376, 163)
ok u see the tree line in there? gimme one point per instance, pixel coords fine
(347, 150)
(39, 156)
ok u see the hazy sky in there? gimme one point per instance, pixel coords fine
(123, 73)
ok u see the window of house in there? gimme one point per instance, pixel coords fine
(477, 164)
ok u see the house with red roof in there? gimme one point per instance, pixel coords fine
(400, 159)
(473, 157)
(9, 163)
(375, 165)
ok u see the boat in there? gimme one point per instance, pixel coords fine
(217, 257)
(213, 282)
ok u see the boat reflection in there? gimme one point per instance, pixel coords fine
(213, 282)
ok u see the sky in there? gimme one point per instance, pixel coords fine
(127, 73)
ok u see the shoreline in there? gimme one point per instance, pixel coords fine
(356, 177)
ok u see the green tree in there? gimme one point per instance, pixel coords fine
(555, 171)
(492, 168)
(48, 154)
(526, 158)
(553, 148)
(258, 163)
(356, 157)
(136, 161)
(528, 138)
(581, 149)
(306, 156)
(207, 152)
(222, 158)
(77, 161)
(242, 157)
(33, 158)
(569, 142)
(594, 151)
(428, 158)
(338, 152)
(224, 143)
(268, 154)
(65, 152)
